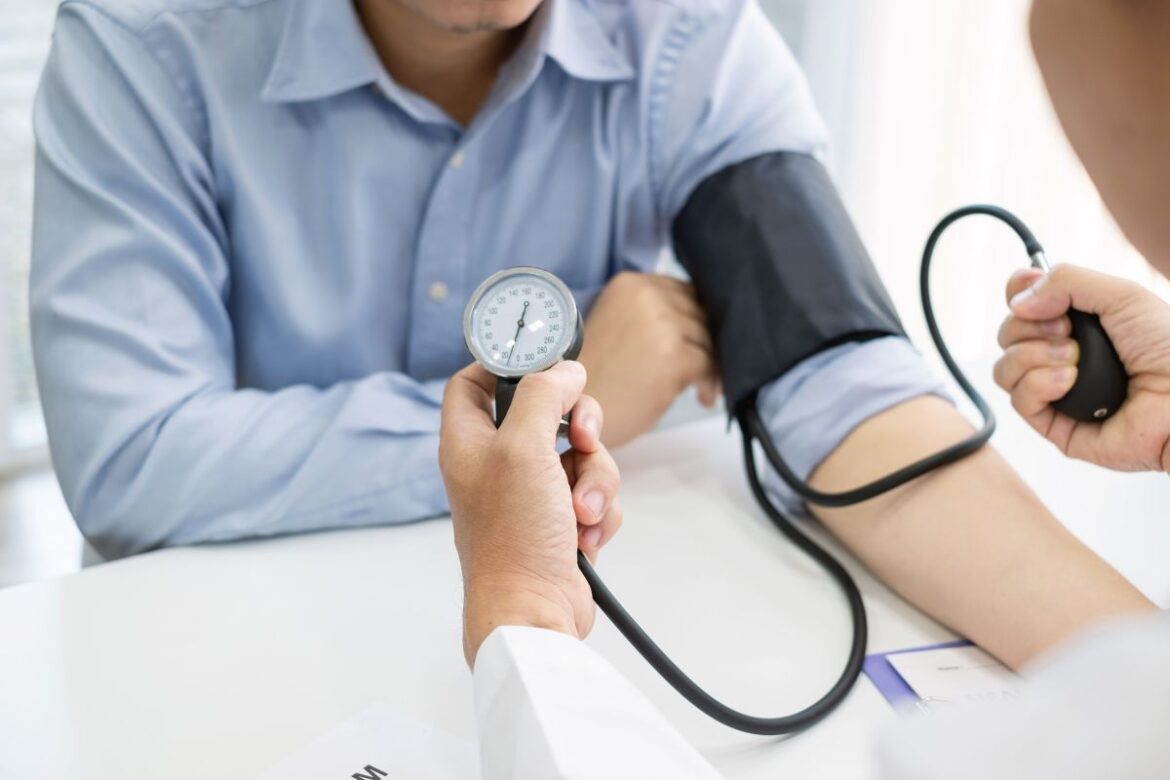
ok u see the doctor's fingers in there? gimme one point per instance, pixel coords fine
(1014, 330)
(1034, 394)
(1020, 281)
(540, 401)
(586, 424)
(1051, 358)
(591, 538)
(467, 412)
(469, 393)
(1071, 287)
(595, 481)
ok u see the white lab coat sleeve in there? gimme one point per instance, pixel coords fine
(1096, 707)
(548, 706)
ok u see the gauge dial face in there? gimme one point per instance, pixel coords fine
(520, 321)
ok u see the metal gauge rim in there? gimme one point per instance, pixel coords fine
(572, 321)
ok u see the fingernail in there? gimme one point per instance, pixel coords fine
(592, 536)
(1063, 376)
(1052, 327)
(589, 422)
(1023, 297)
(1063, 353)
(595, 501)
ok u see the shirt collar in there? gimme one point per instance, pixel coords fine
(324, 50)
(573, 36)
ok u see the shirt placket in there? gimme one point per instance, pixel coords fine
(441, 265)
(444, 256)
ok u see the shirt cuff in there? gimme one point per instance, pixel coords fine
(811, 409)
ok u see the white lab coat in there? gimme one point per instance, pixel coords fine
(549, 707)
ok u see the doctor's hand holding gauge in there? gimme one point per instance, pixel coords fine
(520, 511)
(520, 515)
(520, 321)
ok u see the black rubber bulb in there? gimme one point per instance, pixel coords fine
(1101, 383)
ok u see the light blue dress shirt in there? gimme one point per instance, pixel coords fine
(252, 248)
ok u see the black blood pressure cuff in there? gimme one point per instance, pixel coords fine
(779, 269)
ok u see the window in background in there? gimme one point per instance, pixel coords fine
(24, 41)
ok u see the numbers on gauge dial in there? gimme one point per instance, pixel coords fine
(521, 323)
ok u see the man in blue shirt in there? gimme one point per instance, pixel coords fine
(257, 222)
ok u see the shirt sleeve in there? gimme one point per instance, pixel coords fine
(723, 88)
(152, 441)
(548, 706)
(812, 408)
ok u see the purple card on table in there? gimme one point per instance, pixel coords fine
(885, 677)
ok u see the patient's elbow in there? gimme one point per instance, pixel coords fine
(102, 495)
(112, 533)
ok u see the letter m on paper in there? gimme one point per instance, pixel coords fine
(374, 773)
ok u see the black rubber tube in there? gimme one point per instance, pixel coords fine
(753, 429)
(707, 703)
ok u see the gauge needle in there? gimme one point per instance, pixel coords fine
(519, 327)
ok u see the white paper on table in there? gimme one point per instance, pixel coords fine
(957, 675)
(380, 743)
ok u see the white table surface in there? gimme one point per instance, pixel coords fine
(217, 662)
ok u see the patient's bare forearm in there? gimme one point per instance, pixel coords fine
(970, 544)
(1106, 64)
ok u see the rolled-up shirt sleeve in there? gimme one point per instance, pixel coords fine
(726, 89)
(812, 408)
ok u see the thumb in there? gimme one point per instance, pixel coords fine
(542, 399)
(1070, 287)
(467, 403)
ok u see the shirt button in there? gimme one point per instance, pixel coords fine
(438, 292)
(457, 159)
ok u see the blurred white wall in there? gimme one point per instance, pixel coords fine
(24, 43)
(945, 107)
(823, 34)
